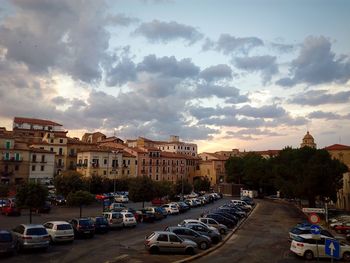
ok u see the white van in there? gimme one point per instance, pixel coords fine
(115, 219)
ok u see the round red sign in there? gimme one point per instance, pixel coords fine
(314, 218)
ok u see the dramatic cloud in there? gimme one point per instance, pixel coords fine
(158, 31)
(320, 97)
(269, 111)
(265, 64)
(66, 35)
(121, 73)
(168, 66)
(230, 93)
(317, 64)
(121, 20)
(324, 115)
(217, 72)
(251, 134)
(228, 44)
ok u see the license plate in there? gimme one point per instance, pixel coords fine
(103, 226)
(86, 232)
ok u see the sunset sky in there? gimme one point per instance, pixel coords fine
(246, 74)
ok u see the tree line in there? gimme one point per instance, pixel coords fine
(304, 173)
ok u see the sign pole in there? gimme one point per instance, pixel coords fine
(317, 251)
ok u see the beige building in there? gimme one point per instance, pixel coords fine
(41, 166)
(342, 153)
(212, 167)
(74, 145)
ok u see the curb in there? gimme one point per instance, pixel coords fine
(210, 250)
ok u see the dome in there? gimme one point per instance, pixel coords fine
(308, 136)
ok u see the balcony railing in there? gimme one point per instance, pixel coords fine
(72, 154)
(6, 174)
(12, 159)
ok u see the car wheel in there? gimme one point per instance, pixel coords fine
(18, 247)
(222, 231)
(154, 250)
(203, 245)
(346, 256)
(308, 255)
(189, 251)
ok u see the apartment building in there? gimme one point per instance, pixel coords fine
(74, 145)
(106, 162)
(212, 167)
(41, 165)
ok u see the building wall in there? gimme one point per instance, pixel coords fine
(41, 167)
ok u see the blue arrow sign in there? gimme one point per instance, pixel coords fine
(315, 229)
(332, 248)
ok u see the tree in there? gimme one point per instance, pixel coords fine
(234, 168)
(80, 198)
(163, 188)
(97, 184)
(141, 189)
(201, 184)
(69, 181)
(32, 196)
(182, 185)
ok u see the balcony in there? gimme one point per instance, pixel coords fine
(60, 165)
(12, 159)
(72, 155)
(81, 165)
(95, 165)
(6, 174)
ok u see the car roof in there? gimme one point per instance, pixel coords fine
(4, 232)
(311, 236)
(32, 225)
(163, 232)
(57, 222)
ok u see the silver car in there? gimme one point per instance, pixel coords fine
(212, 222)
(59, 231)
(31, 236)
(164, 241)
(202, 241)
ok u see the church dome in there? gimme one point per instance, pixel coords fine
(308, 136)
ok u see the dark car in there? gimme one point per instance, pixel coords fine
(227, 215)
(45, 209)
(159, 201)
(248, 200)
(59, 200)
(83, 227)
(156, 212)
(146, 216)
(183, 207)
(7, 244)
(101, 224)
(222, 220)
(162, 211)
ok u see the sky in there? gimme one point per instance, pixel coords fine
(228, 74)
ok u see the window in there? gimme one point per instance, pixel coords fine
(135, 162)
(33, 167)
(51, 140)
(104, 172)
(128, 162)
(42, 168)
(16, 167)
(7, 156)
(8, 144)
(42, 158)
(174, 238)
(51, 149)
(60, 151)
(105, 161)
(61, 140)
(34, 158)
(163, 237)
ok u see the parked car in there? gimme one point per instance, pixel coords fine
(162, 210)
(146, 216)
(137, 214)
(221, 219)
(203, 242)
(59, 231)
(128, 219)
(301, 230)
(117, 207)
(183, 207)
(59, 200)
(28, 236)
(101, 224)
(121, 199)
(154, 210)
(171, 209)
(7, 243)
(164, 241)
(205, 230)
(45, 209)
(195, 221)
(227, 214)
(213, 223)
(241, 203)
(83, 227)
(115, 219)
(248, 200)
(343, 228)
(305, 246)
(10, 209)
(159, 201)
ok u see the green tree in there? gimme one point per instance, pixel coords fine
(80, 198)
(201, 184)
(141, 189)
(69, 181)
(234, 167)
(182, 185)
(31, 196)
(163, 188)
(97, 184)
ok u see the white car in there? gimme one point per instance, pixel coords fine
(121, 199)
(59, 231)
(129, 219)
(305, 246)
(171, 209)
(240, 202)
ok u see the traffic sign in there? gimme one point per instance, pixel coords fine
(332, 248)
(314, 218)
(314, 210)
(315, 229)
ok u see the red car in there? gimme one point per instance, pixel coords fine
(10, 209)
(343, 228)
(159, 201)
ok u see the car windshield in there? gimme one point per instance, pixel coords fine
(129, 215)
(64, 227)
(101, 220)
(5, 237)
(38, 231)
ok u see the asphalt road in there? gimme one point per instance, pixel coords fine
(263, 238)
(124, 245)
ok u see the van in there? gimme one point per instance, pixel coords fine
(115, 219)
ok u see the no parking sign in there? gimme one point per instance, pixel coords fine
(314, 218)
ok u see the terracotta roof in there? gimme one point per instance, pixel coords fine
(77, 141)
(38, 150)
(337, 147)
(35, 121)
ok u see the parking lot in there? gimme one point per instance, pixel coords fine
(125, 245)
